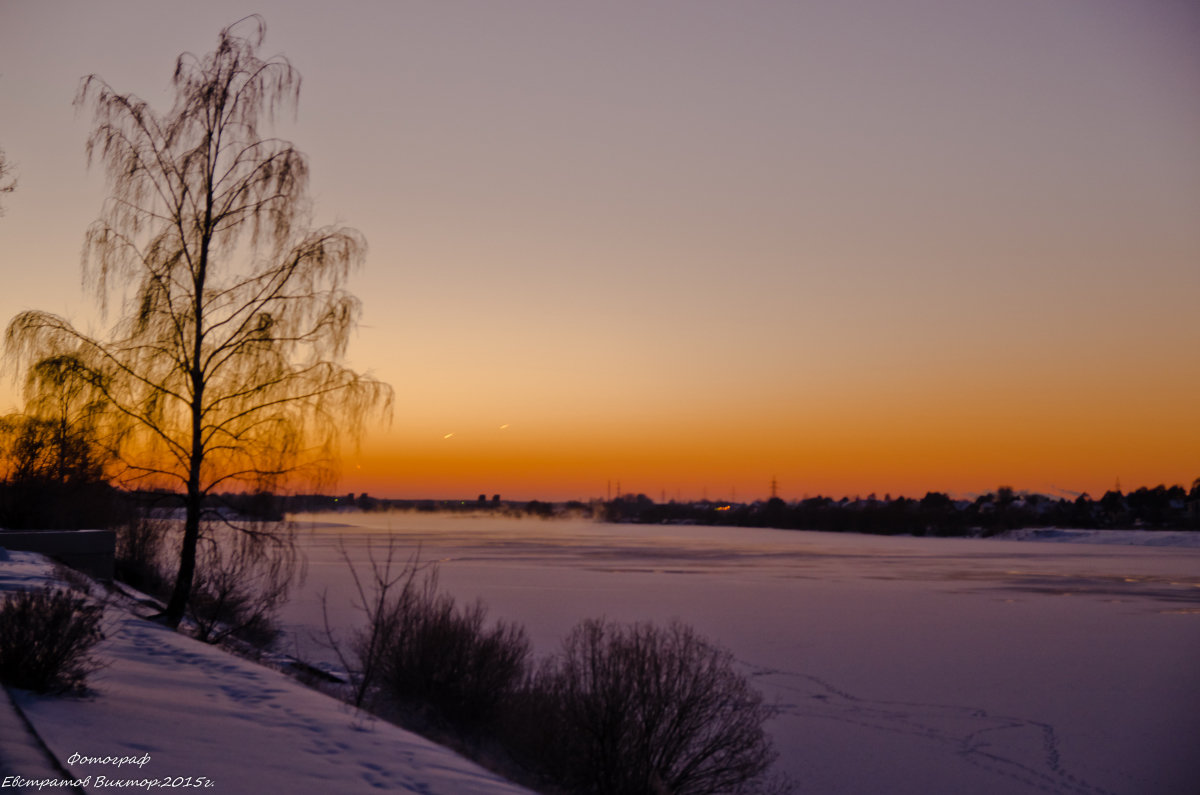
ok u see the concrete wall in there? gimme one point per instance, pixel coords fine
(90, 551)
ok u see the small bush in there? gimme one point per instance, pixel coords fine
(444, 661)
(643, 710)
(243, 577)
(45, 640)
(421, 652)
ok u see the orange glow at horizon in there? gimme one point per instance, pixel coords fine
(1036, 442)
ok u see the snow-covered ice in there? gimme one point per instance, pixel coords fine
(1139, 538)
(901, 665)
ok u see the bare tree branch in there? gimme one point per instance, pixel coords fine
(8, 182)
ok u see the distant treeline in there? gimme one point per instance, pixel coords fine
(935, 514)
(49, 503)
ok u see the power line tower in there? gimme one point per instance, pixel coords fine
(774, 488)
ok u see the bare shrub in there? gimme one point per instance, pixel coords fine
(622, 710)
(643, 710)
(444, 660)
(242, 578)
(141, 543)
(422, 652)
(362, 657)
(45, 640)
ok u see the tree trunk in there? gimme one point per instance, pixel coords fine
(192, 505)
(187, 560)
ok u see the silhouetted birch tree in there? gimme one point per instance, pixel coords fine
(224, 370)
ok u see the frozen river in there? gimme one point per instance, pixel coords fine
(901, 665)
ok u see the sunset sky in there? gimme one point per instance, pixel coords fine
(869, 246)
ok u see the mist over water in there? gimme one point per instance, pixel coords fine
(916, 664)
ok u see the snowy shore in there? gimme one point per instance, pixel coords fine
(204, 719)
